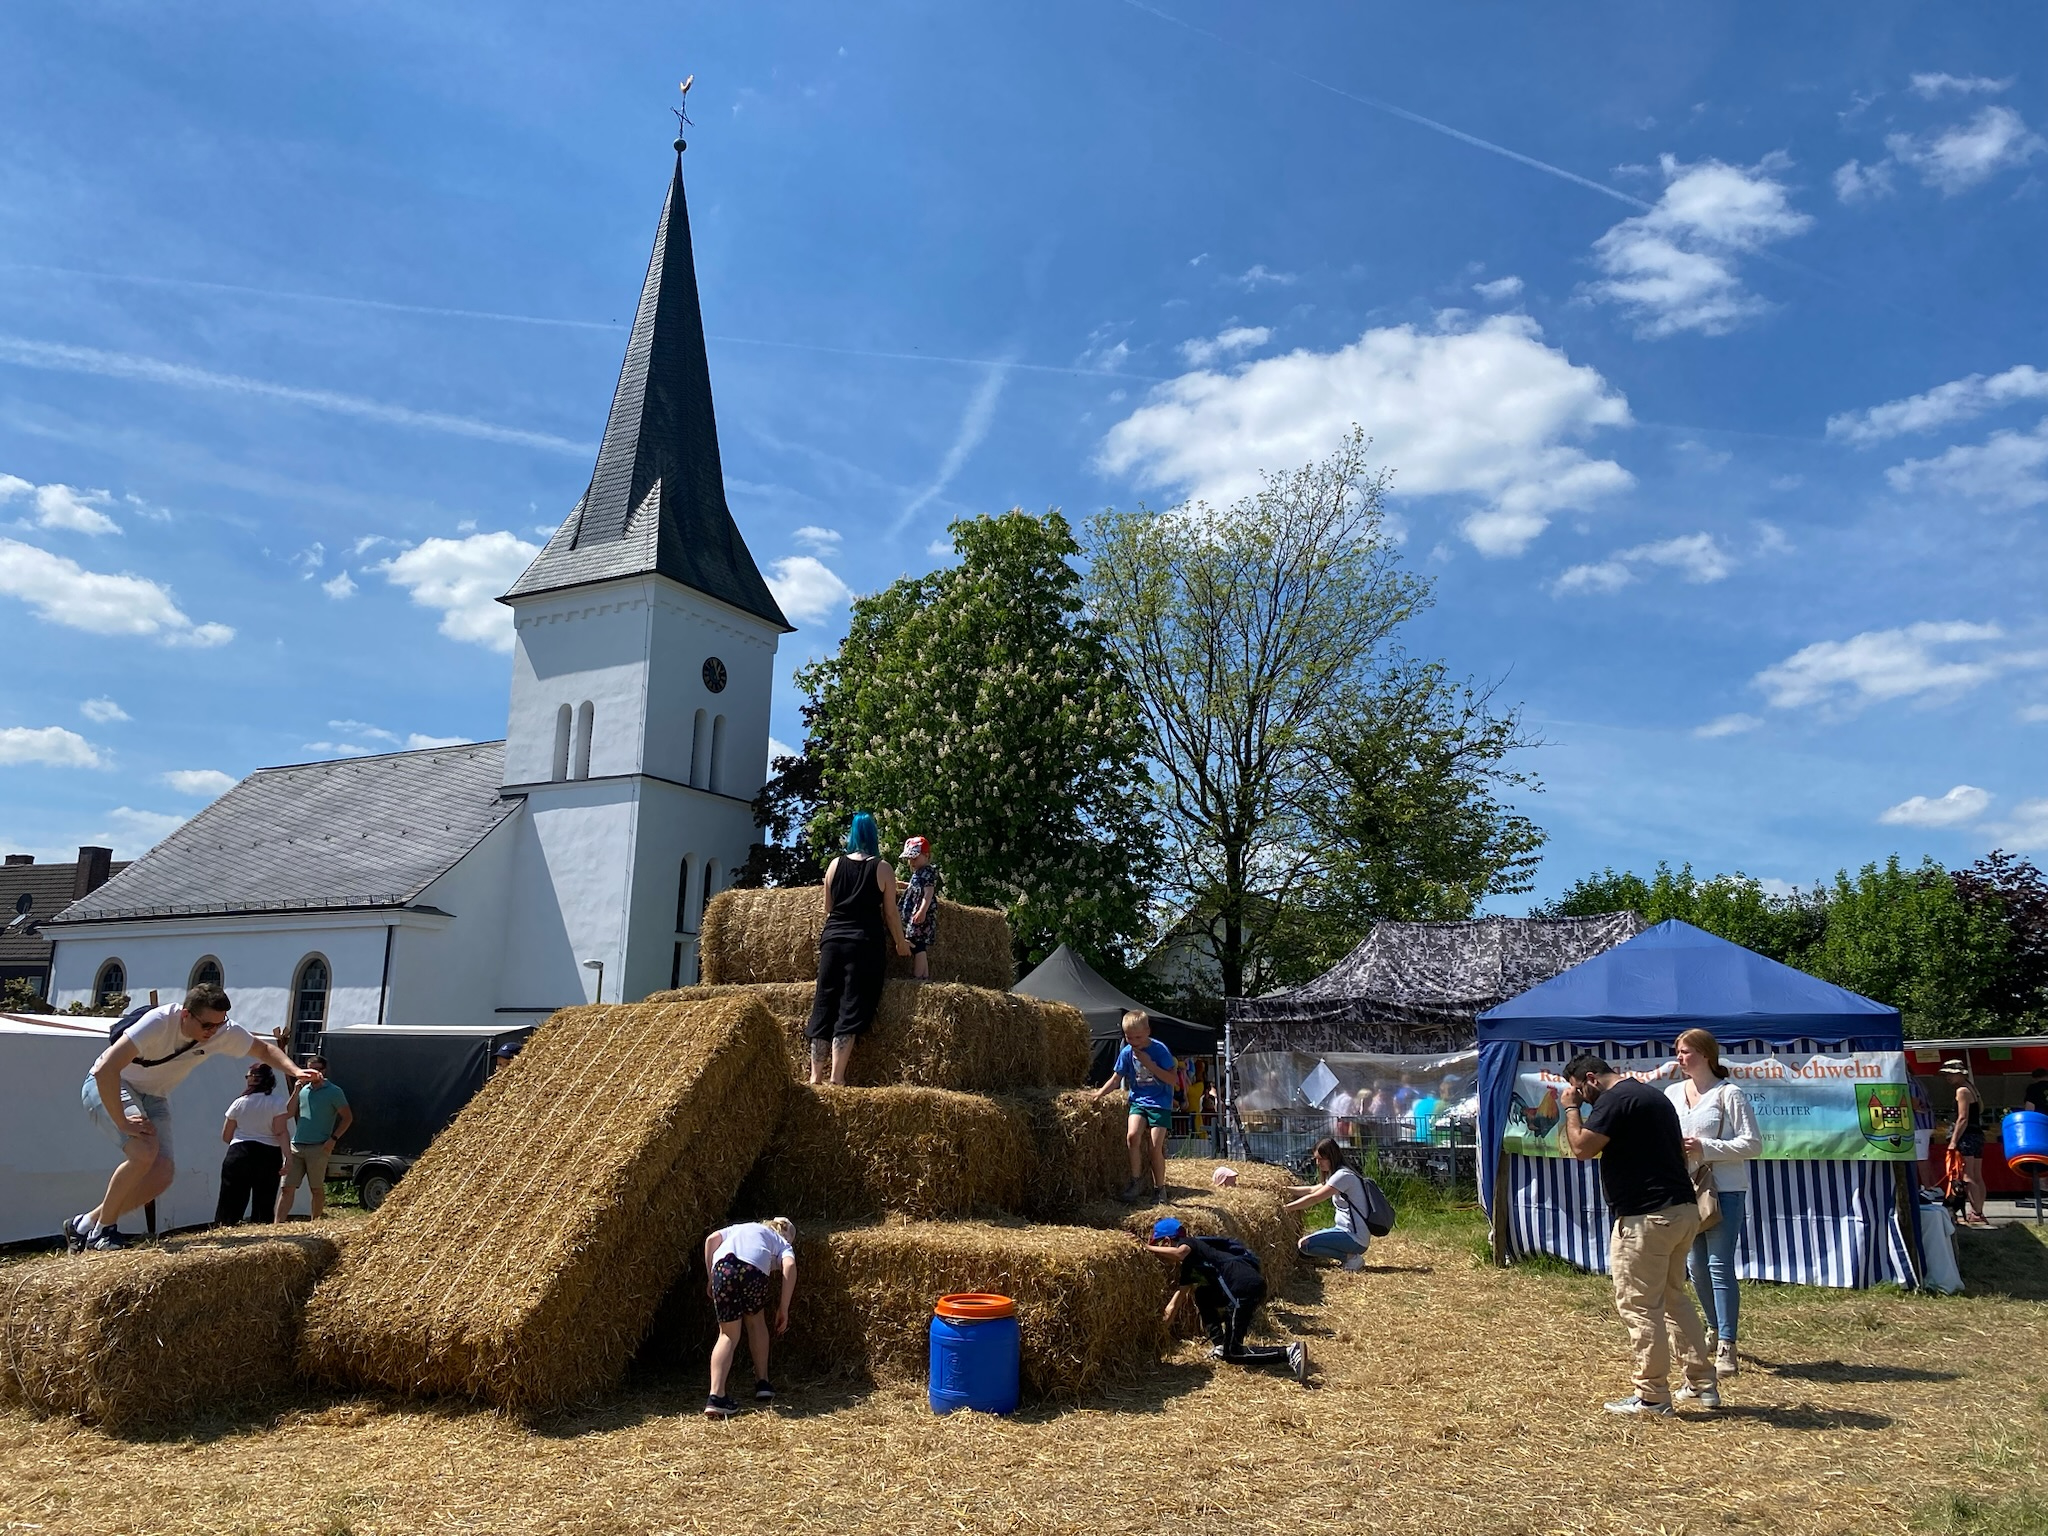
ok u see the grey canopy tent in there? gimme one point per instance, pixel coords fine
(1064, 977)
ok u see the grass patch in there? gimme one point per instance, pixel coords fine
(1966, 1514)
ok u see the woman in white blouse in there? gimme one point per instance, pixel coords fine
(1720, 1129)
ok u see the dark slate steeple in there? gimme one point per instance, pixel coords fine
(656, 501)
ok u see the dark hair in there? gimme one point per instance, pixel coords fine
(1330, 1151)
(2041, 1072)
(862, 837)
(1586, 1064)
(316, 1059)
(266, 1080)
(207, 997)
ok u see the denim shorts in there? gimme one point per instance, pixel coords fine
(156, 1108)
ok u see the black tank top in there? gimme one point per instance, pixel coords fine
(1976, 1121)
(856, 901)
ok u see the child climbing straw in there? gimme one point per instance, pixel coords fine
(1150, 1075)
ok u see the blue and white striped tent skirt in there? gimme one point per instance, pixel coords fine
(1807, 1223)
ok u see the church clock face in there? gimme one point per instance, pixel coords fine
(714, 674)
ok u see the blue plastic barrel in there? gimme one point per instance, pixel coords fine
(2026, 1141)
(976, 1348)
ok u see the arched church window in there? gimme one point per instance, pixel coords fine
(586, 717)
(112, 982)
(700, 748)
(683, 881)
(716, 778)
(710, 886)
(206, 973)
(562, 718)
(309, 1005)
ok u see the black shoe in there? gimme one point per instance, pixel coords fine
(763, 1392)
(76, 1233)
(1297, 1361)
(716, 1407)
(108, 1239)
(1132, 1191)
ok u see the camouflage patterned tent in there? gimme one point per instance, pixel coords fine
(1418, 987)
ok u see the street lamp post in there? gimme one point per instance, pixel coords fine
(597, 966)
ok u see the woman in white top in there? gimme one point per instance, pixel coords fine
(254, 1132)
(1347, 1240)
(1720, 1129)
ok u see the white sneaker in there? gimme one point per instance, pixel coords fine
(1355, 1262)
(1724, 1359)
(1637, 1405)
(1707, 1396)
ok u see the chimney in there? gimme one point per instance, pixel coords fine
(20, 858)
(92, 871)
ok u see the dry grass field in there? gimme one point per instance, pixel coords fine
(1447, 1396)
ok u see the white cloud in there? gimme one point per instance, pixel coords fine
(1726, 725)
(1695, 556)
(363, 728)
(1933, 86)
(1968, 154)
(63, 592)
(210, 782)
(62, 506)
(367, 543)
(1856, 182)
(310, 559)
(420, 742)
(1885, 664)
(1227, 343)
(340, 748)
(1261, 276)
(102, 711)
(2034, 714)
(1675, 268)
(1964, 803)
(941, 549)
(821, 540)
(1957, 400)
(131, 832)
(779, 749)
(806, 588)
(2010, 469)
(342, 586)
(2027, 832)
(1500, 290)
(1484, 411)
(50, 745)
(464, 579)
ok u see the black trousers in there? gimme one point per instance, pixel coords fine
(1226, 1319)
(850, 976)
(248, 1183)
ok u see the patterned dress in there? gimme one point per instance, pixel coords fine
(922, 882)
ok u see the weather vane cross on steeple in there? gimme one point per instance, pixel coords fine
(682, 113)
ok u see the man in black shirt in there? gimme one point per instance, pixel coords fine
(1633, 1130)
(1227, 1285)
(2036, 1097)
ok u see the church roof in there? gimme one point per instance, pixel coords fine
(362, 832)
(656, 500)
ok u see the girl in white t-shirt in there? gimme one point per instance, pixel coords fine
(1720, 1130)
(1341, 1185)
(738, 1262)
(254, 1132)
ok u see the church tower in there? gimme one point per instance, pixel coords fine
(642, 668)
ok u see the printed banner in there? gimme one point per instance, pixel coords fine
(1837, 1107)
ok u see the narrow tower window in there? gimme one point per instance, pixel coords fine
(586, 716)
(710, 884)
(683, 894)
(700, 748)
(716, 781)
(309, 1005)
(562, 717)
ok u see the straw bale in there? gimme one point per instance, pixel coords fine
(756, 936)
(153, 1335)
(1089, 1303)
(522, 1259)
(936, 1035)
(1251, 1215)
(926, 1154)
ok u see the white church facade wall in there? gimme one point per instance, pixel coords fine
(445, 971)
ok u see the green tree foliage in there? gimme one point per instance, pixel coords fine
(17, 996)
(981, 707)
(1736, 907)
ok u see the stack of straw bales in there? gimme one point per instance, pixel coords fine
(1250, 1213)
(522, 1259)
(155, 1335)
(762, 936)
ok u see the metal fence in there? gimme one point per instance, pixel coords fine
(1450, 1155)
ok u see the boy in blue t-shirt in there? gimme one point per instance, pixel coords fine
(1149, 1075)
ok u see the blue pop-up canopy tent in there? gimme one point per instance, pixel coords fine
(1814, 1222)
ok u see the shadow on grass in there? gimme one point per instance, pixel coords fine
(1803, 1416)
(2007, 1261)
(1842, 1373)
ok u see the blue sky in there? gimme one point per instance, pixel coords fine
(1706, 345)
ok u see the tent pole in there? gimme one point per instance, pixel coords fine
(1500, 1209)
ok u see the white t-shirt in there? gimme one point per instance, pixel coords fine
(752, 1242)
(253, 1114)
(156, 1035)
(1347, 1199)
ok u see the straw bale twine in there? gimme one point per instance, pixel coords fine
(756, 936)
(521, 1260)
(936, 1035)
(155, 1334)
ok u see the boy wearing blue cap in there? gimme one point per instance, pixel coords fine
(1150, 1077)
(1227, 1284)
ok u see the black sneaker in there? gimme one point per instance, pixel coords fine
(76, 1234)
(716, 1407)
(1132, 1191)
(1297, 1361)
(763, 1392)
(108, 1239)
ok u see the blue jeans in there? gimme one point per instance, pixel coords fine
(1332, 1243)
(1713, 1268)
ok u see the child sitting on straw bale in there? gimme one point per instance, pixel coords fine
(919, 905)
(1150, 1076)
(1227, 1285)
(737, 1263)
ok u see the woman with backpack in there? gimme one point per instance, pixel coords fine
(1346, 1190)
(1720, 1130)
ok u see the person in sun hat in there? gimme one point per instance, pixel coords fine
(738, 1261)
(1224, 1279)
(1966, 1138)
(919, 904)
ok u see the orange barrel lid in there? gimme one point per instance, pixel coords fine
(975, 1307)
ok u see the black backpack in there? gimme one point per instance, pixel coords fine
(120, 1028)
(1378, 1214)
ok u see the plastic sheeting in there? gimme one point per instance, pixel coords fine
(1364, 1095)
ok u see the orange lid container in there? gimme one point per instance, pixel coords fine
(975, 1307)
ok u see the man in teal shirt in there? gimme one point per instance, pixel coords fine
(319, 1117)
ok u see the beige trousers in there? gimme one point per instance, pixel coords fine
(1646, 1256)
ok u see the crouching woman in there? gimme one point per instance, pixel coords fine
(738, 1261)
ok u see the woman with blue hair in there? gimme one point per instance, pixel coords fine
(860, 918)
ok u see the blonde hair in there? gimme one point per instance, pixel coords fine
(783, 1228)
(1703, 1042)
(1138, 1018)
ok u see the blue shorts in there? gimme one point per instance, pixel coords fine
(154, 1107)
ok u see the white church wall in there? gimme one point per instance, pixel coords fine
(676, 824)
(686, 630)
(447, 972)
(588, 644)
(259, 954)
(571, 869)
